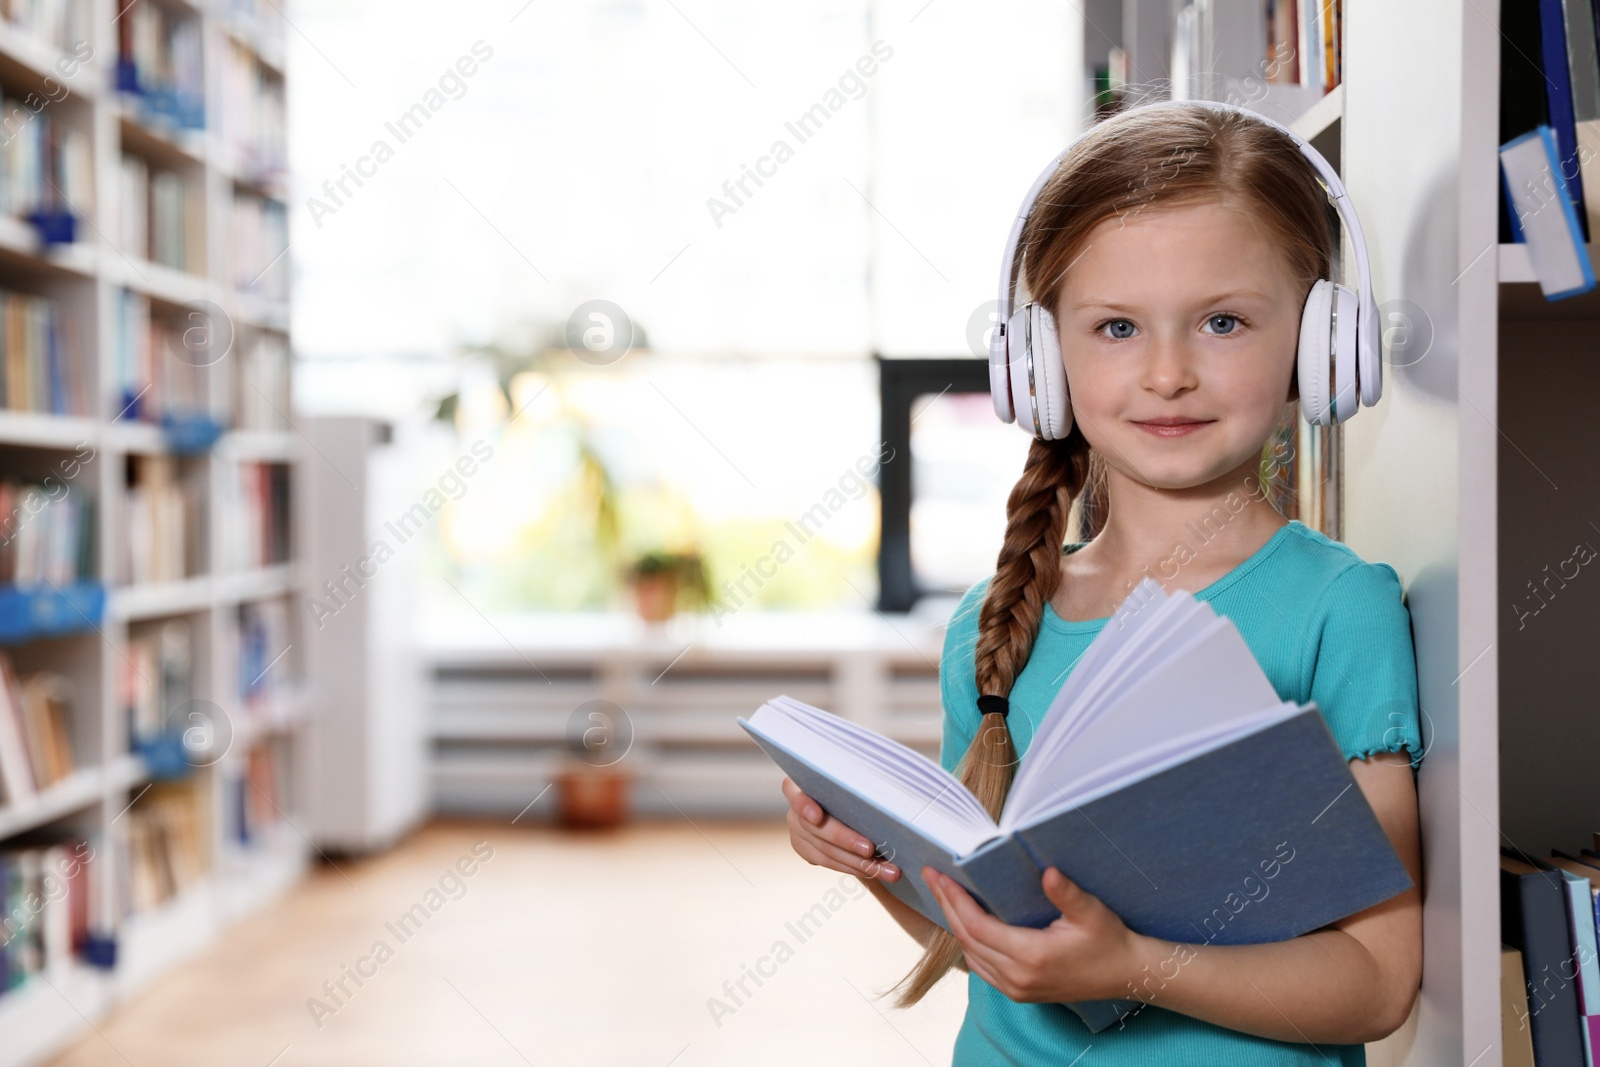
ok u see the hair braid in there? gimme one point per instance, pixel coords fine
(1027, 574)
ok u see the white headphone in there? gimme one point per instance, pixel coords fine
(1340, 352)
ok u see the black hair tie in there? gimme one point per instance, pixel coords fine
(990, 703)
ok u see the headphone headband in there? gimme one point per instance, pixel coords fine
(1369, 352)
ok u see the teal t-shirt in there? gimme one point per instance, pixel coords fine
(1325, 626)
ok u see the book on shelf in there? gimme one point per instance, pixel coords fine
(260, 637)
(163, 845)
(261, 381)
(1583, 904)
(1549, 135)
(159, 373)
(162, 217)
(159, 66)
(46, 533)
(163, 507)
(59, 23)
(46, 169)
(1301, 62)
(256, 795)
(1516, 1042)
(255, 516)
(1541, 217)
(1167, 778)
(45, 889)
(157, 678)
(1536, 919)
(256, 263)
(252, 116)
(43, 363)
(133, 206)
(36, 749)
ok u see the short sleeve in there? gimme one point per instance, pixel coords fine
(1364, 679)
(958, 684)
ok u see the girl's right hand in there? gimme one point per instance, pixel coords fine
(821, 839)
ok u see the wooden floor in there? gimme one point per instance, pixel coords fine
(558, 949)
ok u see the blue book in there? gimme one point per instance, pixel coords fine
(1168, 778)
(1558, 91)
(1542, 216)
(1535, 919)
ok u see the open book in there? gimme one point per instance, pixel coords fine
(1167, 778)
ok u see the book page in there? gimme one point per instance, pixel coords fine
(1050, 795)
(911, 768)
(1187, 670)
(875, 768)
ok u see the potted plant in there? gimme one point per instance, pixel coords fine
(662, 581)
(592, 786)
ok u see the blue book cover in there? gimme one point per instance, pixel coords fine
(1251, 831)
(1558, 91)
(1542, 216)
(1534, 918)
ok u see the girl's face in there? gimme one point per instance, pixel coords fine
(1179, 312)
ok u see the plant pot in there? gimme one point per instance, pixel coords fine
(591, 798)
(655, 596)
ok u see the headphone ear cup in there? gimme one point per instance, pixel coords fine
(1038, 378)
(1315, 358)
(1346, 395)
(1050, 376)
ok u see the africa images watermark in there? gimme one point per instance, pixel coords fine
(1582, 553)
(851, 485)
(409, 123)
(1205, 530)
(1253, 890)
(802, 128)
(53, 886)
(51, 488)
(337, 993)
(341, 592)
(736, 993)
(32, 103)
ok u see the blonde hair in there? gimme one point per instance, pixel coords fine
(1137, 158)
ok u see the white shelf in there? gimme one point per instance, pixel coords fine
(47, 431)
(249, 879)
(125, 436)
(168, 598)
(163, 284)
(152, 942)
(257, 584)
(1515, 267)
(40, 1017)
(74, 793)
(20, 243)
(1320, 117)
(174, 148)
(257, 446)
(36, 1021)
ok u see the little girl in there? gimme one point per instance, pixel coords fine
(1176, 246)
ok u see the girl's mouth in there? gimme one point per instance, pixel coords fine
(1171, 428)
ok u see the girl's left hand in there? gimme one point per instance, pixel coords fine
(1086, 954)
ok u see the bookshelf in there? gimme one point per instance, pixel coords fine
(146, 366)
(1472, 473)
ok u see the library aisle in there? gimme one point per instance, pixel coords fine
(631, 952)
(425, 430)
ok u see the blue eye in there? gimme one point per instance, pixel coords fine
(1229, 318)
(1116, 322)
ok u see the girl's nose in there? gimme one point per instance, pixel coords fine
(1169, 367)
